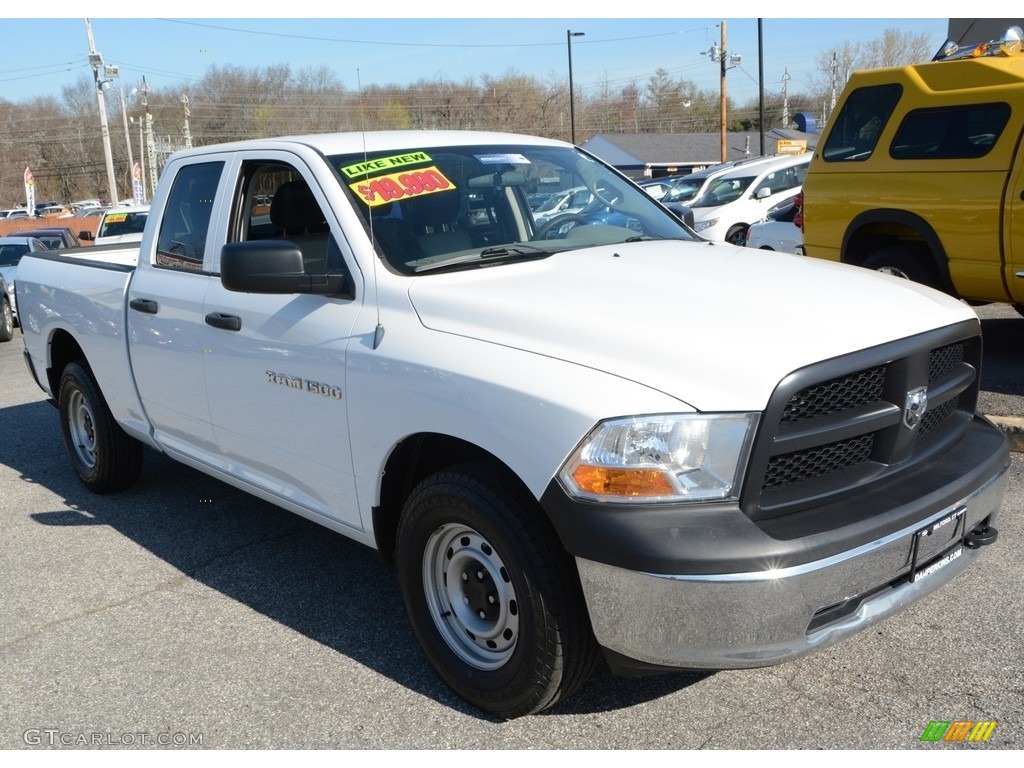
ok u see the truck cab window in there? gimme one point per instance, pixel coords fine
(956, 132)
(277, 203)
(860, 123)
(186, 222)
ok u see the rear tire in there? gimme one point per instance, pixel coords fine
(6, 320)
(906, 261)
(103, 456)
(493, 598)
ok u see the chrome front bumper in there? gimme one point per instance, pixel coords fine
(739, 620)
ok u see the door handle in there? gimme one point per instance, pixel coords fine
(227, 322)
(147, 306)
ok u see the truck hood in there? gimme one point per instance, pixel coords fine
(713, 325)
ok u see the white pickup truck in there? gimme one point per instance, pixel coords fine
(600, 434)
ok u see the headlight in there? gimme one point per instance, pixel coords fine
(700, 226)
(679, 457)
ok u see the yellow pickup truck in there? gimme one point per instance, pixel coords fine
(920, 173)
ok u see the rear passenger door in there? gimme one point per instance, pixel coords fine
(275, 368)
(166, 333)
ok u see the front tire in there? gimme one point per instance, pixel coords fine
(6, 320)
(493, 598)
(737, 235)
(103, 456)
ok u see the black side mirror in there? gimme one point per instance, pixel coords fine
(683, 212)
(273, 266)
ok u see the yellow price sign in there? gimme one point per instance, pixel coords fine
(400, 186)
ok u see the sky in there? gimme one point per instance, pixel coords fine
(40, 56)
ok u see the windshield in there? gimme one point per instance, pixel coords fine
(682, 190)
(723, 191)
(467, 206)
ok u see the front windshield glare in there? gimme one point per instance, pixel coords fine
(723, 191)
(469, 206)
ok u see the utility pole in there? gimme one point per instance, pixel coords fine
(185, 129)
(721, 55)
(150, 157)
(785, 98)
(96, 62)
(127, 141)
(142, 159)
(832, 101)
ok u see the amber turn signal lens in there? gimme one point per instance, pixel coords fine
(615, 481)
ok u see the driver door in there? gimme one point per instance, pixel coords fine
(276, 368)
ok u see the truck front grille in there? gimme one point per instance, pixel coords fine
(800, 465)
(835, 427)
(836, 395)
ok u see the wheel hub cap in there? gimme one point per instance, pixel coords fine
(471, 597)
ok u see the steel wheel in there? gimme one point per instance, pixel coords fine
(492, 596)
(894, 271)
(470, 596)
(909, 262)
(6, 320)
(103, 456)
(82, 429)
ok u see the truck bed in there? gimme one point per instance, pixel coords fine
(77, 297)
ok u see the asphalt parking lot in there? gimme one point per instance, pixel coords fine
(186, 614)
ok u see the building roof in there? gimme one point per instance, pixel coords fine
(683, 152)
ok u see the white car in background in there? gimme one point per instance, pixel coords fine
(780, 231)
(11, 250)
(688, 188)
(568, 201)
(745, 194)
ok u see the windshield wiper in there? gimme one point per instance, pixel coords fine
(498, 253)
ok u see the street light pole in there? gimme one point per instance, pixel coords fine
(722, 116)
(569, 35)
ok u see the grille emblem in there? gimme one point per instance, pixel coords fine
(915, 407)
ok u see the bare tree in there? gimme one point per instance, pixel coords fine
(895, 48)
(60, 139)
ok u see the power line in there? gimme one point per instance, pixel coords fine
(393, 43)
(38, 66)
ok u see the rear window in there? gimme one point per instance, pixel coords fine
(123, 223)
(10, 254)
(968, 131)
(860, 122)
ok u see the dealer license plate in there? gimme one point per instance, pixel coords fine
(930, 551)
